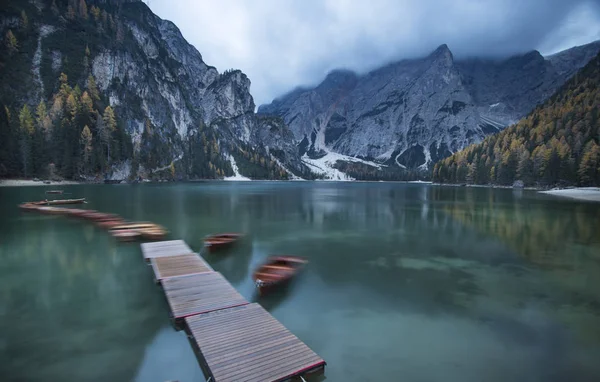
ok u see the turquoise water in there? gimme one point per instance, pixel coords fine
(405, 282)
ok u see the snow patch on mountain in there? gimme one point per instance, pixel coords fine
(325, 165)
(236, 171)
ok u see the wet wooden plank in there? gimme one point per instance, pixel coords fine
(165, 249)
(182, 265)
(200, 293)
(247, 343)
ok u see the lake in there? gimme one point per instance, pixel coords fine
(410, 282)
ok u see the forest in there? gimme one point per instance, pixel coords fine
(557, 144)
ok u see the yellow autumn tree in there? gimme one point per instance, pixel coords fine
(26, 120)
(10, 41)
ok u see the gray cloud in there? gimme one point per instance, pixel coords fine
(281, 44)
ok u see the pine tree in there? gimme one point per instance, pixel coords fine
(26, 120)
(10, 41)
(72, 106)
(54, 8)
(85, 141)
(86, 102)
(40, 114)
(27, 128)
(96, 13)
(109, 127)
(589, 168)
(24, 20)
(109, 118)
(70, 12)
(92, 88)
(83, 10)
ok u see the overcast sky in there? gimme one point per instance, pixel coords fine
(281, 44)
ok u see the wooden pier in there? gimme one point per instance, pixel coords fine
(235, 340)
(248, 344)
(179, 265)
(165, 248)
(200, 293)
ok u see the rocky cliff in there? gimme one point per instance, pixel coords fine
(412, 113)
(180, 113)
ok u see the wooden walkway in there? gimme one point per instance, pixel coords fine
(180, 265)
(200, 293)
(165, 248)
(247, 344)
(237, 341)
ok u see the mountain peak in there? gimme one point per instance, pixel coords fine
(442, 53)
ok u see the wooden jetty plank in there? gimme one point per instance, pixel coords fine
(200, 293)
(172, 266)
(164, 249)
(247, 343)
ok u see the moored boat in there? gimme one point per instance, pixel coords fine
(54, 191)
(126, 234)
(64, 201)
(221, 241)
(277, 271)
(56, 202)
(28, 207)
(110, 223)
(153, 233)
(149, 231)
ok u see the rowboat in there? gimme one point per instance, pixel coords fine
(54, 192)
(64, 201)
(28, 207)
(153, 233)
(221, 241)
(126, 234)
(277, 271)
(135, 225)
(99, 216)
(110, 223)
(56, 202)
(149, 231)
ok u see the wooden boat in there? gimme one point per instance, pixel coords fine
(136, 225)
(77, 212)
(221, 241)
(110, 223)
(54, 192)
(55, 210)
(56, 202)
(149, 231)
(126, 234)
(153, 233)
(277, 271)
(28, 207)
(96, 216)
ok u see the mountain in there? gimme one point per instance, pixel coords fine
(105, 88)
(557, 143)
(413, 113)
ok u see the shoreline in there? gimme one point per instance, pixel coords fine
(589, 194)
(28, 182)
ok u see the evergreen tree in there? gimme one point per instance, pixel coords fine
(27, 129)
(93, 89)
(54, 8)
(10, 41)
(589, 169)
(24, 20)
(85, 141)
(83, 10)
